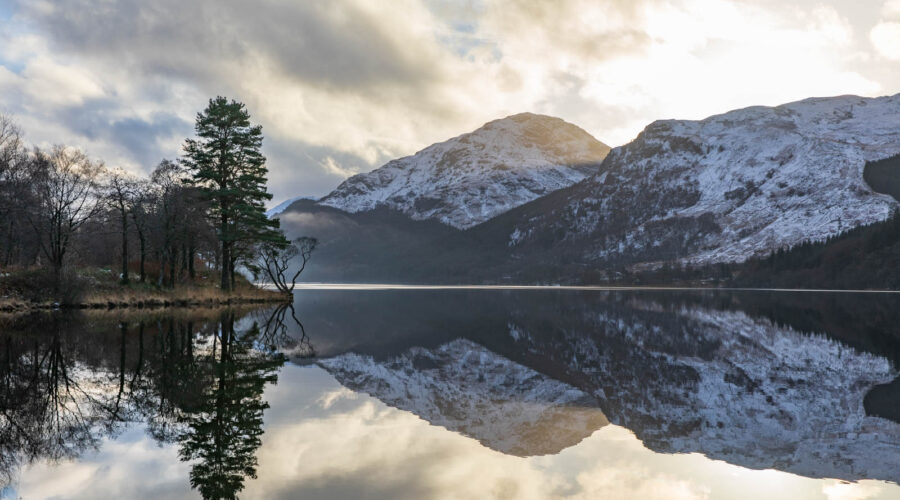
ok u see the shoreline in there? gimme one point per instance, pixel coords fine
(599, 288)
(179, 299)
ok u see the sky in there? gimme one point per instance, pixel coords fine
(342, 86)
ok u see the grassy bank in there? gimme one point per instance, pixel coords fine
(23, 290)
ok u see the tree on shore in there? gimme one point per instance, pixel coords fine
(119, 190)
(227, 165)
(13, 188)
(142, 203)
(65, 182)
(274, 261)
(61, 208)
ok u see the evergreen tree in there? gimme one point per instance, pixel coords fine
(228, 166)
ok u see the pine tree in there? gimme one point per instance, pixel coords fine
(228, 166)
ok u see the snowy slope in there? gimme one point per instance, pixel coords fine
(281, 207)
(724, 188)
(471, 178)
(466, 388)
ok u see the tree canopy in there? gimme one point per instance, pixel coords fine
(226, 163)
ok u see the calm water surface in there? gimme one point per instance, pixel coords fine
(459, 394)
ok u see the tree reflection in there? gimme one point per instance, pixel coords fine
(68, 382)
(276, 332)
(224, 431)
(46, 412)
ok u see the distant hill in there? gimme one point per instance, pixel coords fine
(374, 246)
(277, 209)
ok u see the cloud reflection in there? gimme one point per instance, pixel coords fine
(323, 442)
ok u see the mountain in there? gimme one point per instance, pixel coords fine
(380, 245)
(720, 189)
(473, 177)
(281, 207)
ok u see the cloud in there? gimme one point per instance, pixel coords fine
(886, 38)
(344, 86)
(334, 167)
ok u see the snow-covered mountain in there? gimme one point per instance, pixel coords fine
(720, 189)
(468, 389)
(281, 207)
(473, 177)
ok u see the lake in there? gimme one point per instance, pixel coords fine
(459, 393)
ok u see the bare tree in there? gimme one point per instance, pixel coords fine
(13, 159)
(65, 184)
(119, 190)
(275, 261)
(142, 202)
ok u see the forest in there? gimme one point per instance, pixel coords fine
(865, 257)
(70, 223)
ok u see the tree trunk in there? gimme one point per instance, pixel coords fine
(162, 269)
(173, 258)
(124, 248)
(226, 255)
(143, 256)
(190, 257)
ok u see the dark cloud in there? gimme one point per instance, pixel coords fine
(301, 170)
(337, 45)
(361, 484)
(142, 138)
(95, 119)
(158, 49)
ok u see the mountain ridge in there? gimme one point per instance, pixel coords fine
(722, 189)
(726, 188)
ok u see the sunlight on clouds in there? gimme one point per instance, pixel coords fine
(334, 167)
(885, 36)
(351, 79)
(891, 9)
(886, 39)
(57, 84)
(381, 448)
(841, 490)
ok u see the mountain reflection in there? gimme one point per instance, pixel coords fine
(796, 383)
(196, 380)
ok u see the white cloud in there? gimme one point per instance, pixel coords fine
(885, 37)
(334, 167)
(891, 9)
(840, 490)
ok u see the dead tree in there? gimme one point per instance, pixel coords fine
(275, 261)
